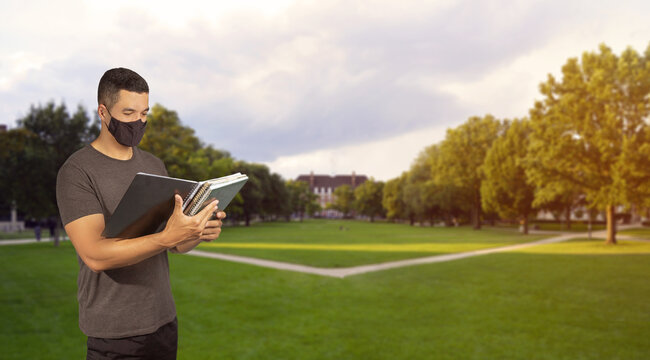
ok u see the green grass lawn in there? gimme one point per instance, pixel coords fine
(579, 300)
(336, 243)
(643, 233)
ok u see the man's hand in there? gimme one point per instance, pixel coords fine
(213, 227)
(181, 228)
(210, 232)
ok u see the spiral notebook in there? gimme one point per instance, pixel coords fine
(149, 201)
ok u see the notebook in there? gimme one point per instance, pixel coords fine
(149, 201)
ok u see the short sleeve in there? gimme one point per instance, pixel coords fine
(163, 168)
(75, 195)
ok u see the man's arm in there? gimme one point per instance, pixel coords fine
(213, 227)
(100, 253)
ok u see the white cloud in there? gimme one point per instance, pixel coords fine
(309, 81)
(382, 159)
(17, 65)
(508, 91)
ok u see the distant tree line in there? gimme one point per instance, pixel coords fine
(586, 143)
(363, 200)
(32, 153)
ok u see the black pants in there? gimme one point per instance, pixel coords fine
(161, 344)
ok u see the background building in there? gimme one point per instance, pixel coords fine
(324, 186)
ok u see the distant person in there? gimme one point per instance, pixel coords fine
(126, 306)
(37, 230)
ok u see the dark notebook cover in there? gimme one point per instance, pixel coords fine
(146, 205)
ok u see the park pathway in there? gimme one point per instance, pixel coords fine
(29, 241)
(363, 269)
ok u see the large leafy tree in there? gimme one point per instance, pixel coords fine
(560, 201)
(276, 202)
(184, 155)
(254, 191)
(421, 195)
(506, 189)
(452, 201)
(31, 155)
(462, 154)
(368, 197)
(264, 195)
(60, 135)
(590, 131)
(301, 200)
(343, 200)
(23, 161)
(393, 198)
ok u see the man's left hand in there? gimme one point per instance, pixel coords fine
(213, 227)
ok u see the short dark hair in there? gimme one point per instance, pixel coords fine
(118, 79)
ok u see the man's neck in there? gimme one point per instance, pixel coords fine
(106, 144)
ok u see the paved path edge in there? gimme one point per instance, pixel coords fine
(363, 269)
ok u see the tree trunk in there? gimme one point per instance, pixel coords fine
(248, 219)
(476, 211)
(476, 217)
(568, 217)
(611, 225)
(525, 225)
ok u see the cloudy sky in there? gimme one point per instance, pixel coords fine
(324, 86)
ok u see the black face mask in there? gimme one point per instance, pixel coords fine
(126, 133)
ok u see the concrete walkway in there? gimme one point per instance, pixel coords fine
(28, 241)
(363, 269)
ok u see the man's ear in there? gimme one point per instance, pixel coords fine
(102, 112)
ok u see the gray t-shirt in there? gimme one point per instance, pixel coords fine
(129, 301)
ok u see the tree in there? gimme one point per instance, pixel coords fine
(313, 206)
(590, 131)
(46, 137)
(23, 160)
(276, 202)
(393, 198)
(368, 198)
(343, 200)
(184, 155)
(462, 153)
(506, 189)
(560, 200)
(421, 195)
(254, 191)
(301, 200)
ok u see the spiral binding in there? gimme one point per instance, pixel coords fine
(198, 199)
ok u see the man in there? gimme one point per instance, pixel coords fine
(125, 302)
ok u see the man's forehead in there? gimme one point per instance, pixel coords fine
(130, 100)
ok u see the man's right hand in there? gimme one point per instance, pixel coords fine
(181, 228)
